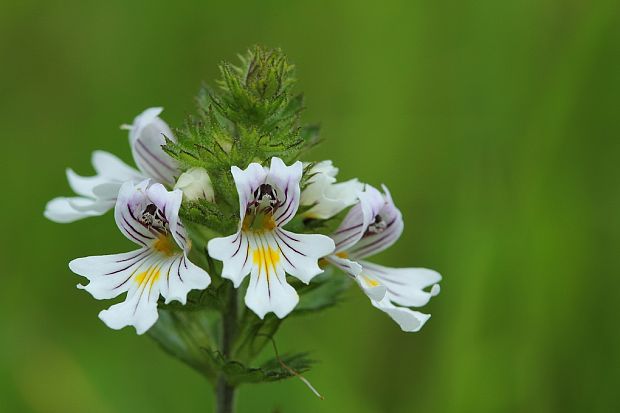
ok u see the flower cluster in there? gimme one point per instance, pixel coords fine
(237, 164)
(147, 213)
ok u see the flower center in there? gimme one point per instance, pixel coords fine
(164, 245)
(259, 213)
(377, 227)
(154, 219)
(258, 222)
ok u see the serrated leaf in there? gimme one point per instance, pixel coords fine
(237, 373)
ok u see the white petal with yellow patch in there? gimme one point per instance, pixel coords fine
(324, 195)
(268, 199)
(147, 214)
(370, 227)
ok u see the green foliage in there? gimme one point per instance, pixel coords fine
(274, 369)
(188, 336)
(252, 116)
(325, 291)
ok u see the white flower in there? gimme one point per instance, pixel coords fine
(196, 184)
(268, 199)
(148, 216)
(370, 227)
(327, 197)
(97, 194)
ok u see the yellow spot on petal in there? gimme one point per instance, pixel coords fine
(342, 254)
(370, 281)
(266, 258)
(149, 276)
(164, 245)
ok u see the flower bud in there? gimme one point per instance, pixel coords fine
(195, 184)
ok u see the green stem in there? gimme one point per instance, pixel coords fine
(225, 392)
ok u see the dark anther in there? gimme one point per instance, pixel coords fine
(265, 198)
(378, 226)
(153, 218)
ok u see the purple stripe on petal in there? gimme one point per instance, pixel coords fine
(240, 238)
(283, 253)
(131, 258)
(288, 236)
(154, 170)
(348, 229)
(179, 271)
(128, 232)
(287, 244)
(157, 158)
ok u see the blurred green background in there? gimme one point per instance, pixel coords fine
(494, 123)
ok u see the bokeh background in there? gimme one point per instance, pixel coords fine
(494, 123)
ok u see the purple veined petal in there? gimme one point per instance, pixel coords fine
(373, 242)
(169, 203)
(247, 181)
(132, 201)
(146, 136)
(300, 253)
(180, 276)
(140, 306)
(408, 287)
(286, 181)
(110, 275)
(235, 254)
(268, 290)
(358, 219)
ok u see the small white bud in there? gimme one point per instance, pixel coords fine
(195, 184)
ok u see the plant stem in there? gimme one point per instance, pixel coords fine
(225, 392)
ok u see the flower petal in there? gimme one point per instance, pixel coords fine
(180, 277)
(139, 308)
(268, 290)
(408, 320)
(234, 252)
(246, 181)
(109, 275)
(138, 273)
(146, 137)
(301, 252)
(352, 268)
(327, 197)
(374, 242)
(113, 168)
(131, 202)
(405, 286)
(98, 192)
(169, 202)
(286, 179)
(358, 219)
(83, 185)
(63, 210)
